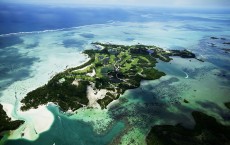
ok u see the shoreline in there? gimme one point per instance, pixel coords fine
(40, 119)
(36, 120)
(9, 108)
(20, 88)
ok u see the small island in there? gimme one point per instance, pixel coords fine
(6, 124)
(227, 104)
(111, 70)
(207, 131)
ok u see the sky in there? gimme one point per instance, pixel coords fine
(154, 3)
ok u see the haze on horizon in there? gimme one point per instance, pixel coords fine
(149, 3)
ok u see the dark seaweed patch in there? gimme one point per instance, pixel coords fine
(87, 35)
(9, 41)
(73, 43)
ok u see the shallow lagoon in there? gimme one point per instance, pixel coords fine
(71, 131)
(129, 119)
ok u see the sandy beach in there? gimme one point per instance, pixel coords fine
(36, 121)
(8, 108)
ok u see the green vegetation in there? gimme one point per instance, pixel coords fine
(182, 53)
(115, 68)
(5, 122)
(66, 95)
(207, 131)
(227, 105)
(186, 101)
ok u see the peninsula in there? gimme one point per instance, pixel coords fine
(6, 124)
(111, 70)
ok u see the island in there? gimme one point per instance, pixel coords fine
(227, 104)
(207, 131)
(6, 124)
(111, 70)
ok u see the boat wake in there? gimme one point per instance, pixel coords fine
(186, 75)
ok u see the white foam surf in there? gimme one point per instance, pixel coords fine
(55, 30)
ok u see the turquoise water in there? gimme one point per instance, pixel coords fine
(70, 131)
(37, 56)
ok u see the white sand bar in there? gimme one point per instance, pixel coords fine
(8, 108)
(36, 121)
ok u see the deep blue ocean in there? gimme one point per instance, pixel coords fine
(26, 18)
(22, 54)
(16, 18)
